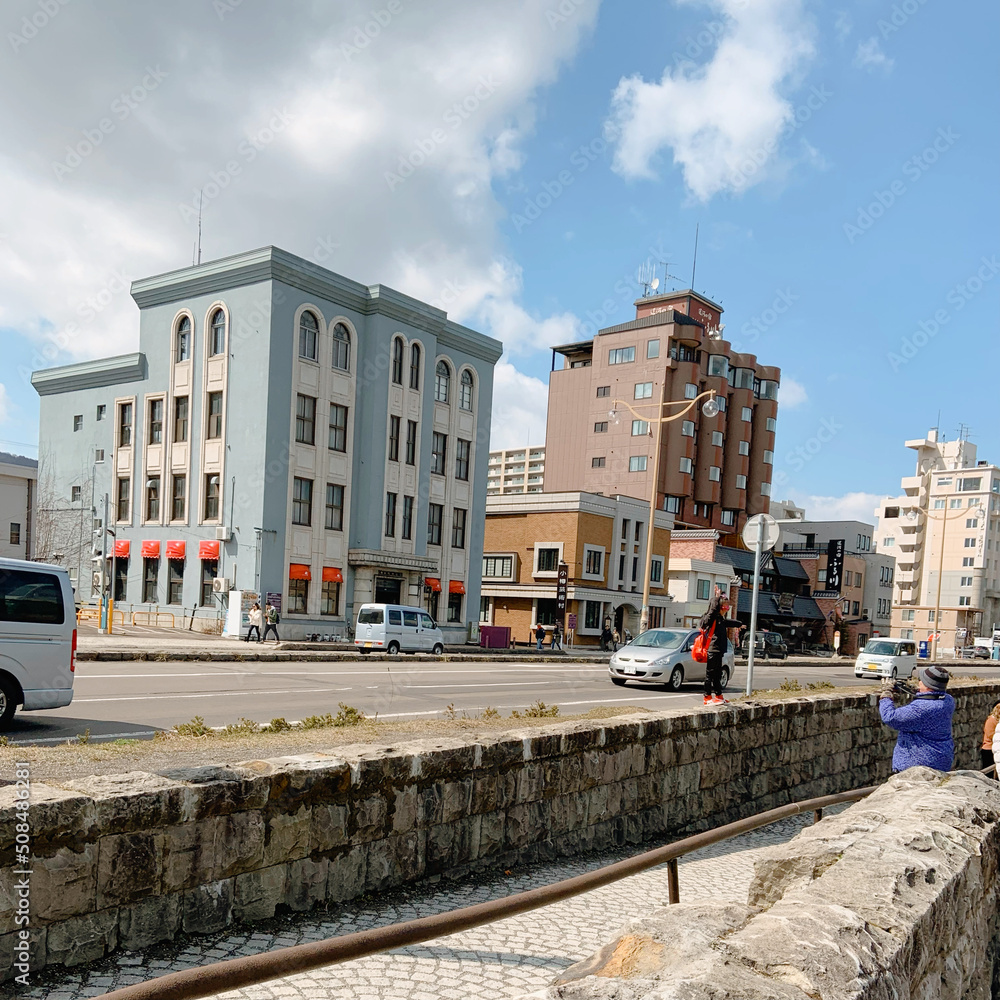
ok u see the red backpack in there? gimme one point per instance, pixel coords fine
(699, 651)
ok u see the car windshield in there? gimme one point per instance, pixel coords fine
(659, 638)
(880, 648)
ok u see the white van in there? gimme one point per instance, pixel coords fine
(886, 658)
(396, 628)
(37, 637)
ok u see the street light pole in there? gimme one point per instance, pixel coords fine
(710, 409)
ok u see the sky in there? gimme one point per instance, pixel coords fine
(517, 163)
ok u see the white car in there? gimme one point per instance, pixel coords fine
(887, 658)
(37, 637)
(397, 628)
(662, 656)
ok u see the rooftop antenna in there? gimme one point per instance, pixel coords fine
(667, 276)
(646, 279)
(201, 198)
(694, 262)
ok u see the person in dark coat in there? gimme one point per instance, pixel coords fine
(716, 615)
(924, 725)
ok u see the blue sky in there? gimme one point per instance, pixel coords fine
(840, 160)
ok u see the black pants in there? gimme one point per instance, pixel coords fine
(271, 627)
(253, 628)
(985, 757)
(713, 674)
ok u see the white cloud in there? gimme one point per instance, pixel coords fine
(443, 93)
(870, 56)
(519, 408)
(849, 507)
(843, 25)
(723, 120)
(791, 394)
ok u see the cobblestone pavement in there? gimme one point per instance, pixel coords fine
(506, 959)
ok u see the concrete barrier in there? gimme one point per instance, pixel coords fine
(895, 897)
(128, 860)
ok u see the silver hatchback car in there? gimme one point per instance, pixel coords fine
(662, 656)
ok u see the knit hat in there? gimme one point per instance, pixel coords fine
(935, 677)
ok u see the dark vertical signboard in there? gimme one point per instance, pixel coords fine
(561, 586)
(834, 564)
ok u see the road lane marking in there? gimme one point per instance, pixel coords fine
(93, 738)
(317, 673)
(207, 694)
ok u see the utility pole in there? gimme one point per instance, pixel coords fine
(105, 623)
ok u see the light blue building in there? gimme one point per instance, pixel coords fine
(281, 429)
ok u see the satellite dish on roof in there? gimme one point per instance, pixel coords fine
(654, 284)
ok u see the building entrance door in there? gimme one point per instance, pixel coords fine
(387, 590)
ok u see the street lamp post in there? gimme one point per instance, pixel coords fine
(710, 409)
(978, 511)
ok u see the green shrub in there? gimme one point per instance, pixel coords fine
(278, 726)
(348, 716)
(196, 727)
(537, 711)
(245, 727)
(317, 721)
(820, 686)
(790, 684)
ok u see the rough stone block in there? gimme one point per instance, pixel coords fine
(190, 856)
(305, 883)
(129, 867)
(329, 827)
(156, 918)
(256, 894)
(287, 837)
(36, 953)
(82, 939)
(304, 779)
(346, 874)
(215, 790)
(58, 818)
(207, 908)
(63, 885)
(491, 834)
(370, 819)
(132, 802)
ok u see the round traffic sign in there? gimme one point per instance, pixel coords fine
(762, 527)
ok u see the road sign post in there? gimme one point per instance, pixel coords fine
(760, 533)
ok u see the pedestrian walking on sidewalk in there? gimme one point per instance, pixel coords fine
(539, 635)
(716, 622)
(256, 620)
(556, 637)
(271, 619)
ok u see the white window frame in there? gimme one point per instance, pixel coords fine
(512, 556)
(587, 549)
(714, 473)
(643, 390)
(640, 428)
(743, 448)
(768, 458)
(690, 390)
(717, 439)
(741, 482)
(747, 414)
(638, 463)
(546, 574)
(686, 466)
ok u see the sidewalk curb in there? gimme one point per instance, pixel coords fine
(112, 656)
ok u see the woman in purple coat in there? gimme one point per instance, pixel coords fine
(924, 726)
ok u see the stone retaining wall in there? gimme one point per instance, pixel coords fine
(894, 897)
(128, 860)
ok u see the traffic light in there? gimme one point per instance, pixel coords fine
(100, 551)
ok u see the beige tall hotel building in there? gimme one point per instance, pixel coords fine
(714, 471)
(947, 553)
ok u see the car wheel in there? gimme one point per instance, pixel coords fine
(676, 679)
(393, 648)
(724, 678)
(618, 681)
(8, 702)
(438, 649)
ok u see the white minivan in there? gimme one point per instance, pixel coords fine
(397, 628)
(886, 658)
(37, 637)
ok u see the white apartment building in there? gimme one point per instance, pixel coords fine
(516, 470)
(18, 492)
(944, 530)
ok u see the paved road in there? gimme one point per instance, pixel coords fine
(507, 959)
(135, 699)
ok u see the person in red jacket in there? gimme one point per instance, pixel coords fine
(716, 615)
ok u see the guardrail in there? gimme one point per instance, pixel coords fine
(236, 973)
(94, 615)
(155, 615)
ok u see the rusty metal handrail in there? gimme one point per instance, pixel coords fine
(236, 973)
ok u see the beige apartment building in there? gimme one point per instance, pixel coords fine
(601, 539)
(516, 470)
(714, 472)
(18, 495)
(944, 530)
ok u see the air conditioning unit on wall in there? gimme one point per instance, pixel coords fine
(220, 585)
(223, 534)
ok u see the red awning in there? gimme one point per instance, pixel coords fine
(332, 575)
(121, 548)
(456, 587)
(299, 571)
(208, 550)
(433, 582)
(150, 550)
(175, 550)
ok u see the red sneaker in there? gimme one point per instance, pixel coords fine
(719, 700)
(709, 700)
